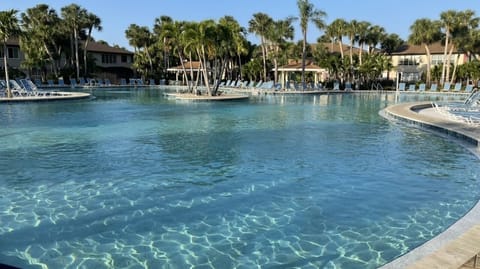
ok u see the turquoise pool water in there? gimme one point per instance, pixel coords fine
(133, 180)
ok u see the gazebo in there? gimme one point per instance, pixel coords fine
(193, 66)
(319, 74)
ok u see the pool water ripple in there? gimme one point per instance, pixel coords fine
(135, 180)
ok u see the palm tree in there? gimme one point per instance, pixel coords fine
(74, 17)
(375, 35)
(141, 39)
(91, 22)
(389, 45)
(308, 13)
(160, 24)
(462, 35)
(46, 37)
(449, 22)
(280, 32)
(9, 27)
(336, 30)
(425, 32)
(239, 45)
(260, 24)
(362, 31)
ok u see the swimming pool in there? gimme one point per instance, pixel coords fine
(134, 180)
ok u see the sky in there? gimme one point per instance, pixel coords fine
(116, 15)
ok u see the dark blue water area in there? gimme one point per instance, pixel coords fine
(132, 179)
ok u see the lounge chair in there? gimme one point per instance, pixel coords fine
(151, 82)
(107, 82)
(433, 87)
(401, 86)
(469, 88)
(139, 82)
(132, 81)
(81, 81)
(421, 87)
(411, 87)
(446, 87)
(73, 82)
(348, 86)
(38, 82)
(336, 86)
(458, 87)
(50, 83)
(123, 82)
(61, 82)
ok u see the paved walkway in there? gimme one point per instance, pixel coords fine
(458, 246)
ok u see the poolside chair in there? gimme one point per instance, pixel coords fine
(433, 87)
(139, 82)
(73, 82)
(348, 86)
(469, 88)
(81, 81)
(421, 87)
(50, 83)
(446, 86)
(38, 82)
(61, 82)
(123, 82)
(107, 82)
(458, 87)
(411, 87)
(401, 86)
(151, 82)
(336, 86)
(132, 81)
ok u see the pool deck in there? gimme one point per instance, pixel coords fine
(193, 97)
(53, 96)
(458, 246)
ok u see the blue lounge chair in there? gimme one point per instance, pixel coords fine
(401, 86)
(469, 88)
(50, 83)
(421, 87)
(81, 81)
(73, 82)
(61, 82)
(434, 87)
(336, 86)
(107, 82)
(446, 86)
(458, 87)
(132, 81)
(123, 82)
(411, 87)
(151, 82)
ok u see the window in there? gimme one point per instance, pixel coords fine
(12, 52)
(437, 59)
(409, 60)
(109, 58)
(124, 58)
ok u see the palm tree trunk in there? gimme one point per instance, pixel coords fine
(455, 65)
(447, 72)
(445, 56)
(264, 55)
(304, 57)
(429, 65)
(77, 64)
(240, 66)
(9, 91)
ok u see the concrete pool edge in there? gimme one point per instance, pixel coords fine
(422, 115)
(52, 96)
